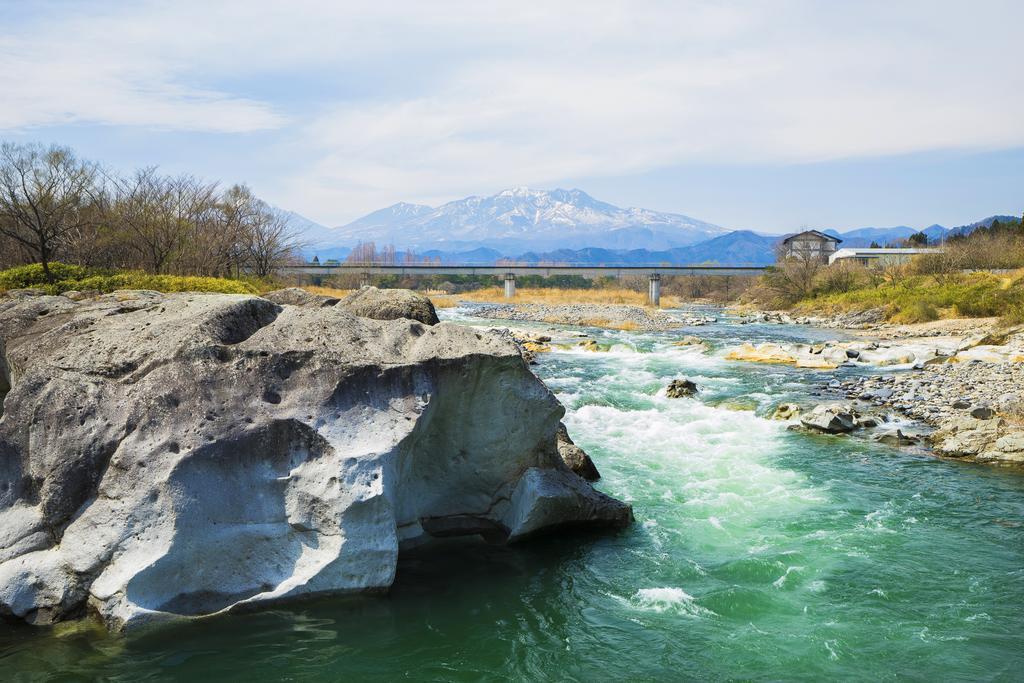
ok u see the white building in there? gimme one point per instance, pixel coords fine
(880, 256)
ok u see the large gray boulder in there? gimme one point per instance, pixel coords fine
(390, 304)
(166, 456)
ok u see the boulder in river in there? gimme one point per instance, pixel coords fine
(895, 438)
(181, 455)
(575, 458)
(681, 388)
(829, 419)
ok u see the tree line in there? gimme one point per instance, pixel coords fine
(366, 254)
(56, 206)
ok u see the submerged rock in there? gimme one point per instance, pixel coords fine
(575, 458)
(681, 388)
(786, 411)
(390, 304)
(895, 438)
(166, 456)
(689, 340)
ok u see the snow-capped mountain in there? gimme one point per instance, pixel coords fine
(521, 219)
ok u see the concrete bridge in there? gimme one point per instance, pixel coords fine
(509, 273)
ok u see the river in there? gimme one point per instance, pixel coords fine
(758, 553)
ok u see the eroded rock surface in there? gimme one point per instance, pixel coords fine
(390, 304)
(296, 296)
(180, 455)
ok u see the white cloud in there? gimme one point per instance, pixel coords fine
(429, 101)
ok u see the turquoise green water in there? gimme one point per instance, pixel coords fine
(757, 554)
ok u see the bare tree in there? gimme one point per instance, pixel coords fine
(364, 253)
(269, 241)
(44, 194)
(794, 274)
(144, 211)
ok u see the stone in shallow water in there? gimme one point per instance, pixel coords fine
(829, 419)
(896, 438)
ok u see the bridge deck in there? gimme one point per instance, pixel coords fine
(544, 271)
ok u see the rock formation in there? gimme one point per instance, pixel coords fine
(180, 455)
(296, 296)
(390, 304)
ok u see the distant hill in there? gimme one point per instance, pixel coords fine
(983, 223)
(737, 248)
(863, 237)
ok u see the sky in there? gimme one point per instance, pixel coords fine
(768, 115)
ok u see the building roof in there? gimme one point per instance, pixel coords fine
(814, 233)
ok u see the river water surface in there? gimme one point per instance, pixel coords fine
(758, 553)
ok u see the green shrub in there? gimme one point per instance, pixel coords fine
(23, 277)
(917, 312)
(69, 277)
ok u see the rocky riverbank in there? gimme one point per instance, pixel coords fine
(977, 408)
(614, 316)
(964, 378)
(179, 455)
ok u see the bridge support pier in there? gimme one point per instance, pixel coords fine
(654, 290)
(510, 285)
(364, 279)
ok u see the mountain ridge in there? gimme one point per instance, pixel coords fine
(522, 218)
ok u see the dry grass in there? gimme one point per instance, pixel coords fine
(551, 295)
(444, 300)
(626, 325)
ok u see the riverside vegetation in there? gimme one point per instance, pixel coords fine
(979, 274)
(55, 206)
